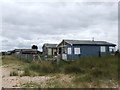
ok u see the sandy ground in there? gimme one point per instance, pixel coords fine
(17, 81)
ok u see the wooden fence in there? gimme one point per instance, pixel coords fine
(30, 57)
(35, 57)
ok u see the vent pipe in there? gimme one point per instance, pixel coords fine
(92, 39)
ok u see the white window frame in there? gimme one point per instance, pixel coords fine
(102, 49)
(69, 50)
(77, 50)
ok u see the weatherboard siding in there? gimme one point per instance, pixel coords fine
(86, 51)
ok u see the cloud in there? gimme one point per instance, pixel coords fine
(25, 24)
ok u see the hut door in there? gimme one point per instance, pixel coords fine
(64, 56)
(64, 53)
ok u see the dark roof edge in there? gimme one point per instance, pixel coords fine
(109, 44)
(97, 44)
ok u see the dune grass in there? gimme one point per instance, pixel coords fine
(106, 66)
(95, 71)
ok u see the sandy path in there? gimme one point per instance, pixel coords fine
(16, 81)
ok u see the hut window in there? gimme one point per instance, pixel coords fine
(111, 49)
(77, 50)
(64, 50)
(59, 51)
(49, 51)
(102, 48)
(69, 51)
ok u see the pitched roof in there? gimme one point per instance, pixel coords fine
(88, 42)
(50, 45)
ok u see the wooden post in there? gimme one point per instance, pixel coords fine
(27, 56)
(39, 58)
(33, 57)
(58, 59)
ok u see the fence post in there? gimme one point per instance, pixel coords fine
(33, 57)
(58, 59)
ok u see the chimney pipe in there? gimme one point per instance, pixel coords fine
(93, 39)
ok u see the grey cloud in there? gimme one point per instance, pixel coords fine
(38, 23)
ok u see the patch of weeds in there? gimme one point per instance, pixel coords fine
(42, 74)
(31, 85)
(14, 73)
(56, 84)
(15, 85)
(26, 72)
(53, 83)
(84, 85)
(84, 78)
(96, 84)
(58, 76)
(110, 83)
(18, 69)
(96, 72)
(72, 68)
(44, 67)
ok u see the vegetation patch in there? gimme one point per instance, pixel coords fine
(14, 73)
(26, 72)
(46, 67)
(84, 72)
(72, 68)
(31, 85)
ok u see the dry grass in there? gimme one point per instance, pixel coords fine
(86, 72)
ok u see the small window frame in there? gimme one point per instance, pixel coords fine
(69, 50)
(102, 49)
(77, 50)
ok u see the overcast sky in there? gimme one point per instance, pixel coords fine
(25, 24)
